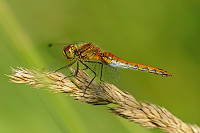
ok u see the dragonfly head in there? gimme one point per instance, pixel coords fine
(69, 52)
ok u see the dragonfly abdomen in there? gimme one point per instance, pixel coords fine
(117, 62)
(136, 66)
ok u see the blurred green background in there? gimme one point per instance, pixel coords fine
(164, 34)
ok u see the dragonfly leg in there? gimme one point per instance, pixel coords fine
(101, 68)
(92, 71)
(90, 62)
(77, 68)
(85, 66)
(66, 66)
(101, 72)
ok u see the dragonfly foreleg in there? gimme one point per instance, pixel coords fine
(66, 66)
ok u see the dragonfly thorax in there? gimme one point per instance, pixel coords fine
(69, 52)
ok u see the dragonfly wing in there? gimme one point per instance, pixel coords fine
(110, 74)
(60, 64)
(107, 73)
(56, 48)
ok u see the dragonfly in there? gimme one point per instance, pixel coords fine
(86, 52)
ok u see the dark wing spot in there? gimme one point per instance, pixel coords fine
(50, 45)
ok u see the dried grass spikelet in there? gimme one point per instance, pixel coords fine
(145, 114)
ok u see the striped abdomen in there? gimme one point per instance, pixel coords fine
(117, 62)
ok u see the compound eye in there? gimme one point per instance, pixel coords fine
(67, 48)
(68, 52)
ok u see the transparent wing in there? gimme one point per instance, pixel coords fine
(105, 72)
(56, 48)
(56, 65)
